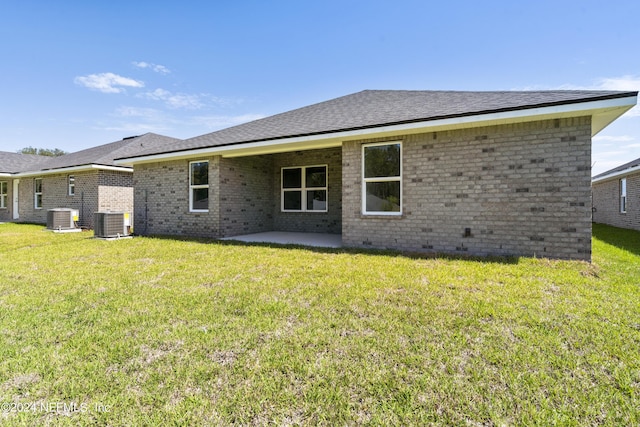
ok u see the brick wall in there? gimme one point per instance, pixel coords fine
(115, 192)
(606, 202)
(55, 194)
(161, 200)
(313, 222)
(245, 195)
(521, 189)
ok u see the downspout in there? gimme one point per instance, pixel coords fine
(146, 209)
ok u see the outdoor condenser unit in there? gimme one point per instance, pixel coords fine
(111, 224)
(62, 219)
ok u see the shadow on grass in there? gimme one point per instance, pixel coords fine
(346, 250)
(621, 238)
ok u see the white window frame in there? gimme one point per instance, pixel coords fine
(195, 187)
(380, 179)
(4, 190)
(71, 180)
(304, 188)
(36, 193)
(623, 195)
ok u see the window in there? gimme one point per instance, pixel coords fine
(37, 193)
(72, 185)
(382, 178)
(623, 195)
(199, 186)
(3, 194)
(304, 189)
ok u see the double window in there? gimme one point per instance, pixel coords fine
(199, 186)
(72, 185)
(382, 178)
(3, 194)
(304, 189)
(623, 195)
(37, 193)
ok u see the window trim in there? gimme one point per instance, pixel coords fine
(195, 187)
(4, 196)
(303, 189)
(71, 184)
(36, 193)
(623, 195)
(381, 179)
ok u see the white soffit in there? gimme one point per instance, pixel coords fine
(603, 112)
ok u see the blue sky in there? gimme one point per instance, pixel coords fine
(76, 74)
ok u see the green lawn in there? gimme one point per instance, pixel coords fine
(152, 331)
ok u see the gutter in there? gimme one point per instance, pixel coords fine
(82, 168)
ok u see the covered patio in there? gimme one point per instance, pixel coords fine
(323, 240)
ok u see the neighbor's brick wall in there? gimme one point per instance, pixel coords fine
(606, 202)
(55, 194)
(6, 213)
(245, 195)
(522, 189)
(161, 200)
(315, 222)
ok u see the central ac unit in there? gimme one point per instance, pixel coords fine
(111, 224)
(62, 219)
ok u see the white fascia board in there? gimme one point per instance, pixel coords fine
(5, 175)
(83, 168)
(615, 107)
(616, 174)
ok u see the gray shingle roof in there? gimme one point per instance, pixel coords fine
(631, 164)
(15, 162)
(105, 154)
(374, 108)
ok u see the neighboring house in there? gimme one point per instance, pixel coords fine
(616, 196)
(10, 164)
(87, 181)
(482, 173)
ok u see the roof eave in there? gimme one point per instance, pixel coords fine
(603, 111)
(617, 174)
(80, 168)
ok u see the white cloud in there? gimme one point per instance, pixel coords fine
(175, 100)
(149, 113)
(155, 67)
(107, 82)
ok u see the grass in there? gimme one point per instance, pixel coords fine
(152, 331)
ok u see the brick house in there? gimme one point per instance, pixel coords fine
(616, 196)
(482, 173)
(87, 181)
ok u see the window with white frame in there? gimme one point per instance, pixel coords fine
(623, 195)
(304, 189)
(72, 185)
(199, 186)
(382, 178)
(3, 194)
(37, 193)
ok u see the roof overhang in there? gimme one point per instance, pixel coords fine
(5, 175)
(617, 174)
(82, 168)
(603, 112)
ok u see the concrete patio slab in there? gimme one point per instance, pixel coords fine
(285, 238)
